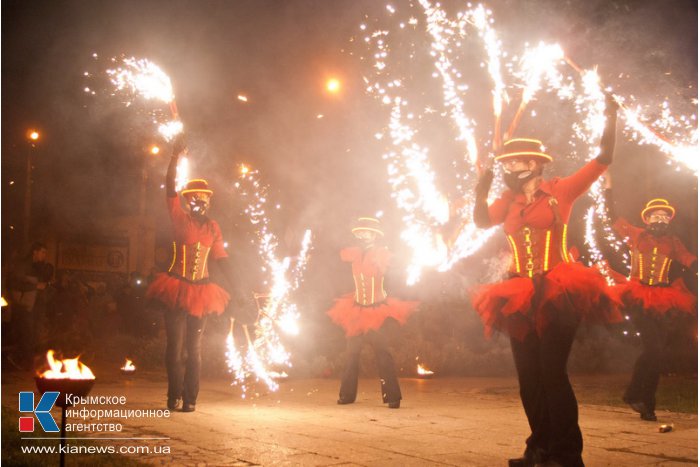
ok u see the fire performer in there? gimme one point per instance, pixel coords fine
(547, 293)
(363, 313)
(186, 288)
(652, 300)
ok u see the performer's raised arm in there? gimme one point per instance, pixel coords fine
(178, 148)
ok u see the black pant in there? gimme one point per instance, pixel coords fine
(390, 383)
(183, 354)
(647, 369)
(545, 391)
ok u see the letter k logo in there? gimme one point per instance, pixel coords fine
(42, 411)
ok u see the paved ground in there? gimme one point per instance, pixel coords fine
(460, 421)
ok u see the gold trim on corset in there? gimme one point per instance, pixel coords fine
(357, 289)
(383, 291)
(661, 273)
(362, 283)
(184, 261)
(515, 253)
(546, 250)
(651, 265)
(206, 257)
(564, 249)
(172, 264)
(641, 267)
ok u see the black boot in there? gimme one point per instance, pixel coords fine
(530, 457)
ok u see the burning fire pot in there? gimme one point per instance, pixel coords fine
(424, 373)
(129, 368)
(69, 378)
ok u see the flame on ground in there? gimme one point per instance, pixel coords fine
(70, 368)
(423, 371)
(128, 366)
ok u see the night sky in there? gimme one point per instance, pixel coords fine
(279, 54)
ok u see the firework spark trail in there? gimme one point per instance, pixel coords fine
(277, 313)
(591, 104)
(234, 361)
(411, 176)
(141, 77)
(537, 64)
(481, 19)
(683, 129)
(685, 154)
(443, 33)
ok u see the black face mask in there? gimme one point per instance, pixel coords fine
(199, 207)
(516, 180)
(657, 228)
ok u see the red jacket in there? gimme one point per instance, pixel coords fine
(537, 231)
(368, 268)
(651, 255)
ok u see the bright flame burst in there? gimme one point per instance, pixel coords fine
(539, 69)
(70, 368)
(143, 78)
(264, 350)
(128, 366)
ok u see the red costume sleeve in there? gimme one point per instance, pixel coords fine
(177, 214)
(681, 254)
(573, 186)
(217, 246)
(350, 254)
(499, 208)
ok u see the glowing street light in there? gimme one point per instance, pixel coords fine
(333, 86)
(154, 149)
(33, 136)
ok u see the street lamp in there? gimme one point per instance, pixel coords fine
(33, 137)
(333, 85)
(154, 150)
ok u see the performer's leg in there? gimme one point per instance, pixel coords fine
(653, 334)
(391, 392)
(348, 385)
(527, 364)
(193, 344)
(565, 440)
(175, 322)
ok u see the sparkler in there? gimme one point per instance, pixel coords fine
(277, 312)
(143, 78)
(411, 177)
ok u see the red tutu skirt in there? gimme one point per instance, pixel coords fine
(356, 319)
(507, 306)
(655, 300)
(197, 299)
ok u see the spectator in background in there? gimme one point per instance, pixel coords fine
(29, 279)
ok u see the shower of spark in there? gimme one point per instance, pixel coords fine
(537, 64)
(481, 19)
(265, 352)
(685, 153)
(426, 210)
(182, 174)
(143, 78)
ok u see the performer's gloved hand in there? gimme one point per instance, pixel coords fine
(179, 144)
(483, 185)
